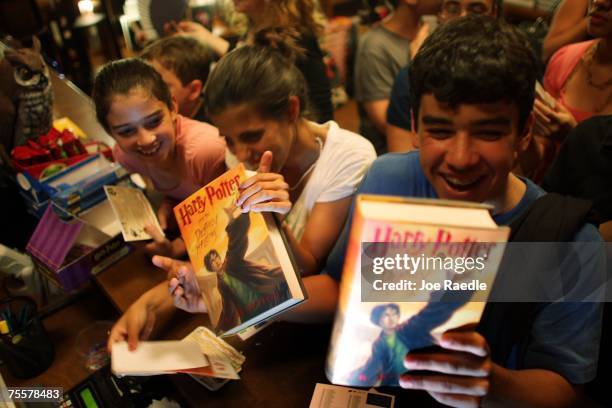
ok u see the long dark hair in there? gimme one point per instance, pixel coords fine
(262, 75)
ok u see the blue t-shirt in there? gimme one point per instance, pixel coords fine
(398, 111)
(564, 336)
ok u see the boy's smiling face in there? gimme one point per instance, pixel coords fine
(467, 152)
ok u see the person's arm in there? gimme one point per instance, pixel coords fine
(321, 304)
(377, 112)
(199, 32)
(321, 232)
(138, 321)
(569, 25)
(400, 140)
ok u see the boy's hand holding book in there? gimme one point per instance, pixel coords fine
(459, 371)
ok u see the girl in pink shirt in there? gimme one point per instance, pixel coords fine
(177, 154)
(579, 77)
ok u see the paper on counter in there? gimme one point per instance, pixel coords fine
(335, 396)
(156, 357)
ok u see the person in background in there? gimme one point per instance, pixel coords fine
(578, 77)
(569, 25)
(382, 52)
(300, 15)
(184, 64)
(399, 134)
(178, 155)
(472, 86)
(308, 172)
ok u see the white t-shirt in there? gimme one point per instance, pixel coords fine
(344, 160)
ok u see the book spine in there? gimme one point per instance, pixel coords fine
(349, 284)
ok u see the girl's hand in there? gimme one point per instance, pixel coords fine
(193, 29)
(135, 324)
(552, 123)
(265, 191)
(182, 284)
(203, 35)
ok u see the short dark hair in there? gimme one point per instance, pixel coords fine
(378, 311)
(119, 78)
(475, 59)
(208, 260)
(263, 75)
(186, 57)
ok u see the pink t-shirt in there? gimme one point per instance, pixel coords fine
(560, 67)
(201, 149)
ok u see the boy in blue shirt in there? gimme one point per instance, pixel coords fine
(472, 86)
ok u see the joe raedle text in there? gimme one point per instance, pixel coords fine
(422, 284)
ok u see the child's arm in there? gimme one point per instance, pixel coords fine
(140, 318)
(199, 32)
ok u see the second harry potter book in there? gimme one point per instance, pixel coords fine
(244, 267)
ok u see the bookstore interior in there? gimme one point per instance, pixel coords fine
(164, 240)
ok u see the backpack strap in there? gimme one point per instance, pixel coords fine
(551, 218)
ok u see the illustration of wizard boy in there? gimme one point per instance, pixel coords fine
(386, 363)
(247, 288)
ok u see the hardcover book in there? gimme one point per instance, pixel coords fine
(244, 268)
(414, 268)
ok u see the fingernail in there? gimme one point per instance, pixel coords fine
(406, 383)
(446, 343)
(411, 364)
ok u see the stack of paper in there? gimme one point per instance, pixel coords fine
(157, 357)
(201, 353)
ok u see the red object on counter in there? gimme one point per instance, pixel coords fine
(54, 151)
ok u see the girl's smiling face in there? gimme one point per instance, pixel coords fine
(142, 125)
